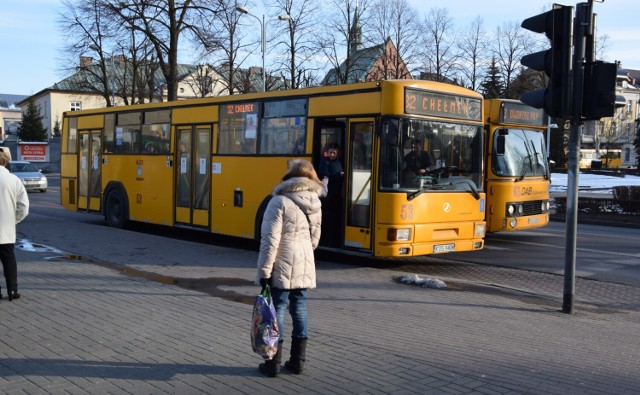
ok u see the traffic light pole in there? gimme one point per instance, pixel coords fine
(582, 27)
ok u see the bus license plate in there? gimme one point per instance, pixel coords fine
(440, 248)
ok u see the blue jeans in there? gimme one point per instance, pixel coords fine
(296, 301)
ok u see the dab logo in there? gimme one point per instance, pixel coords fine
(522, 191)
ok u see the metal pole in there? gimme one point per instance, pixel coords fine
(548, 137)
(582, 22)
(111, 84)
(264, 71)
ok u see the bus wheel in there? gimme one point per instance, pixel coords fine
(116, 212)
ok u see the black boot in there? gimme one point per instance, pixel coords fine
(271, 367)
(13, 295)
(295, 363)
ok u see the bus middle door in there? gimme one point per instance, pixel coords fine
(359, 184)
(89, 170)
(192, 175)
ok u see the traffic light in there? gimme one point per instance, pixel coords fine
(599, 99)
(557, 25)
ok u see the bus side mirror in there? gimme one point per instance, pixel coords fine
(500, 144)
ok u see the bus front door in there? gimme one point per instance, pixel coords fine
(89, 170)
(358, 171)
(192, 175)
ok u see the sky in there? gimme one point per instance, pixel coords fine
(31, 43)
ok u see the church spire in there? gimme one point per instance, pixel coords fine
(356, 32)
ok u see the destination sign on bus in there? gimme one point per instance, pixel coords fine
(518, 113)
(423, 102)
(241, 108)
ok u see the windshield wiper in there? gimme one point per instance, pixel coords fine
(422, 189)
(472, 189)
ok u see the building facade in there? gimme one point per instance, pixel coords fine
(10, 115)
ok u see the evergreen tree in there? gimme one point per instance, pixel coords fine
(492, 86)
(57, 130)
(31, 128)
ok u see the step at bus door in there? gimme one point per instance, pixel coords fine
(359, 184)
(89, 170)
(193, 175)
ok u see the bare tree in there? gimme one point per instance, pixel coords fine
(341, 41)
(511, 43)
(202, 80)
(440, 55)
(298, 37)
(397, 21)
(224, 47)
(90, 31)
(472, 45)
(163, 23)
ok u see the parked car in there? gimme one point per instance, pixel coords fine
(31, 177)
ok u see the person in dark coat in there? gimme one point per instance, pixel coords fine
(331, 171)
(416, 162)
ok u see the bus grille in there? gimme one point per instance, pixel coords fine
(72, 191)
(532, 207)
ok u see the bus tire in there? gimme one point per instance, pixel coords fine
(116, 211)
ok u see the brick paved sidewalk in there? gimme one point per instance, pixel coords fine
(85, 328)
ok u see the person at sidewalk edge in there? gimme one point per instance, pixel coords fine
(290, 233)
(14, 207)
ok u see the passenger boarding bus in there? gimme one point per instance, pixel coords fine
(212, 163)
(517, 175)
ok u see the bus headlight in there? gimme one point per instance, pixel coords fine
(545, 206)
(513, 222)
(520, 209)
(511, 209)
(402, 234)
(481, 229)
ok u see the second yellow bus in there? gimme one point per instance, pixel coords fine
(517, 177)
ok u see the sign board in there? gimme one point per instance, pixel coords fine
(34, 152)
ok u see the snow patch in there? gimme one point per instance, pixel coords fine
(425, 282)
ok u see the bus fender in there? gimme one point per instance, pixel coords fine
(259, 216)
(115, 207)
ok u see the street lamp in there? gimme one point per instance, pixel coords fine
(263, 38)
(108, 82)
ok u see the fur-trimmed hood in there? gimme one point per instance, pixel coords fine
(303, 191)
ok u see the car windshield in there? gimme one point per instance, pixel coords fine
(22, 168)
(427, 156)
(524, 153)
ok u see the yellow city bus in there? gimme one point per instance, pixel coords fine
(517, 170)
(212, 163)
(600, 159)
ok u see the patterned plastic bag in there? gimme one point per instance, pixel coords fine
(264, 331)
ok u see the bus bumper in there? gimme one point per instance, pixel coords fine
(418, 249)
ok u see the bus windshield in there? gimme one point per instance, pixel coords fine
(520, 153)
(429, 156)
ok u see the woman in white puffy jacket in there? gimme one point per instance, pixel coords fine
(290, 233)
